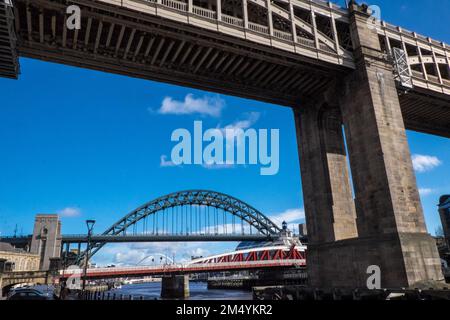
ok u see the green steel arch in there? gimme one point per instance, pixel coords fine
(214, 199)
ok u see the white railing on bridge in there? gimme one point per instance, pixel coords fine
(306, 42)
(282, 35)
(232, 20)
(258, 28)
(210, 14)
(177, 5)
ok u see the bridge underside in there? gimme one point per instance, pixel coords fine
(125, 42)
(426, 113)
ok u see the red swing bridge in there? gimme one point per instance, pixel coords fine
(266, 257)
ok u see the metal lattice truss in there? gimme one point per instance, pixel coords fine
(238, 208)
(403, 74)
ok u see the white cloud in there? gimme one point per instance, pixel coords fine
(235, 130)
(424, 163)
(166, 163)
(290, 216)
(210, 106)
(426, 191)
(238, 125)
(70, 212)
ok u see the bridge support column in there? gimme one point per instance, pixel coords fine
(327, 195)
(390, 222)
(175, 287)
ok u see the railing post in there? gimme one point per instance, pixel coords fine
(314, 26)
(448, 59)
(419, 51)
(293, 25)
(219, 10)
(245, 13)
(269, 17)
(334, 29)
(436, 64)
(190, 5)
(405, 50)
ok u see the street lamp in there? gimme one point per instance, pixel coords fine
(90, 227)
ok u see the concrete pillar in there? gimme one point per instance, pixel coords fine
(390, 221)
(175, 287)
(327, 194)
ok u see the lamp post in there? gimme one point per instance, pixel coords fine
(90, 226)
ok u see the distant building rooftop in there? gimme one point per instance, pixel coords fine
(7, 247)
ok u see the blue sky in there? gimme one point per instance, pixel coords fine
(87, 144)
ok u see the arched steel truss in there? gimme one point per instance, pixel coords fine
(236, 207)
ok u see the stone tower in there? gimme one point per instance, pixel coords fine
(46, 241)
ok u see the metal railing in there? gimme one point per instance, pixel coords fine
(258, 28)
(177, 5)
(204, 12)
(411, 34)
(232, 20)
(306, 42)
(282, 35)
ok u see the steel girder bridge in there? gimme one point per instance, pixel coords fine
(193, 215)
(280, 51)
(279, 256)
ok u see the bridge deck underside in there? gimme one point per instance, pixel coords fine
(425, 113)
(127, 42)
(152, 48)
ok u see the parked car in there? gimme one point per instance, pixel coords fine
(27, 294)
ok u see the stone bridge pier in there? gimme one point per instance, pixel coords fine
(175, 287)
(382, 224)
